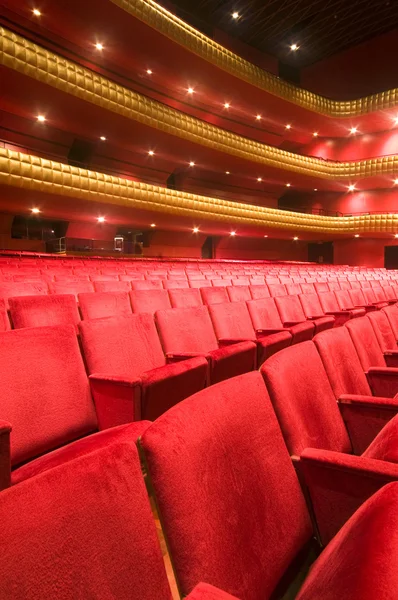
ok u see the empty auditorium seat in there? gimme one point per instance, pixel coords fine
(4, 321)
(292, 313)
(112, 286)
(383, 331)
(75, 288)
(181, 298)
(186, 332)
(359, 301)
(321, 287)
(239, 293)
(125, 358)
(100, 305)
(41, 311)
(276, 290)
(390, 294)
(13, 289)
(214, 295)
(48, 403)
(308, 288)
(293, 289)
(198, 283)
(392, 315)
(345, 303)
(171, 284)
(266, 320)
(330, 306)
(370, 297)
(149, 301)
(232, 324)
(147, 284)
(254, 482)
(259, 291)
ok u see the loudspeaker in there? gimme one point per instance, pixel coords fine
(80, 153)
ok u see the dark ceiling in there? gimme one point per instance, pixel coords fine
(320, 27)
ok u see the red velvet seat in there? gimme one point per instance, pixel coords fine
(48, 403)
(390, 294)
(124, 358)
(239, 293)
(75, 288)
(41, 311)
(345, 303)
(383, 330)
(292, 313)
(214, 295)
(172, 284)
(112, 286)
(155, 284)
(359, 301)
(392, 315)
(149, 301)
(232, 324)
(12, 289)
(308, 288)
(74, 537)
(370, 297)
(276, 290)
(185, 298)
(4, 321)
(293, 289)
(331, 306)
(259, 291)
(266, 321)
(321, 287)
(187, 332)
(102, 305)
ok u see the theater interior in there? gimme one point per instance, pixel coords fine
(198, 300)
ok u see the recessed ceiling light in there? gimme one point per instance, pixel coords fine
(288, 126)
(153, 224)
(227, 172)
(354, 130)
(351, 188)
(258, 117)
(259, 178)
(196, 230)
(315, 134)
(266, 236)
(36, 12)
(396, 120)
(288, 184)
(356, 235)
(191, 164)
(103, 138)
(101, 219)
(396, 235)
(232, 233)
(235, 15)
(227, 105)
(190, 90)
(35, 210)
(396, 181)
(295, 238)
(294, 47)
(41, 118)
(151, 152)
(315, 189)
(149, 71)
(99, 46)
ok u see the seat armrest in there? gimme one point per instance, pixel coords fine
(383, 381)
(264, 332)
(222, 342)
(365, 417)
(292, 323)
(117, 399)
(172, 357)
(333, 313)
(204, 591)
(5, 455)
(339, 483)
(391, 358)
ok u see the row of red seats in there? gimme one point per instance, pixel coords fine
(229, 499)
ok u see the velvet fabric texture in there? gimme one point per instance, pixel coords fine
(266, 320)
(155, 284)
(345, 303)
(203, 591)
(149, 301)
(41, 311)
(392, 315)
(214, 295)
(259, 291)
(172, 284)
(241, 541)
(47, 396)
(370, 298)
(75, 288)
(112, 286)
(82, 530)
(366, 344)
(383, 331)
(239, 293)
(358, 299)
(13, 289)
(185, 298)
(291, 311)
(276, 290)
(303, 400)
(4, 321)
(360, 563)
(102, 305)
(127, 359)
(330, 306)
(293, 289)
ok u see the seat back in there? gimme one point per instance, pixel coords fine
(101, 305)
(264, 314)
(382, 329)
(4, 321)
(123, 346)
(379, 294)
(341, 362)
(75, 288)
(74, 537)
(186, 330)
(389, 293)
(10, 289)
(232, 321)
(308, 288)
(249, 521)
(259, 291)
(357, 297)
(369, 295)
(344, 300)
(155, 284)
(311, 305)
(290, 309)
(366, 344)
(333, 285)
(321, 287)
(149, 301)
(112, 286)
(329, 302)
(180, 298)
(304, 401)
(293, 289)
(392, 315)
(214, 295)
(47, 399)
(172, 284)
(277, 289)
(239, 293)
(42, 311)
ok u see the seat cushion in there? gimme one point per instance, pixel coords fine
(385, 444)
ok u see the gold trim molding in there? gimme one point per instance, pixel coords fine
(21, 55)
(196, 42)
(42, 175)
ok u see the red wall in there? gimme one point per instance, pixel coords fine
(355, 147)
(361, 252)
(348, 202)
(91, 231)
(259, 248)
(359, 71)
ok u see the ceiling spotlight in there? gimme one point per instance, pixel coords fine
(258, 117)
(41, 118)
(315, 189)
(395, 181)
(295, 238)
(101, 219)
(191, 164)
(35, 211)
(99, 46)
(294, 47)
(259, 179)
(232, 233)
(288, 184)
(235, 15)
(153, 224)
(195, 229)
(396, 235)
(227, 172)
(354, 130)
(149, 71)
(396, 120)
(356, 235)
(266, 236)
(288, 126)
(103, 138)
(36, 12)
(190, 90)
(227, 105)
(315, 134)
(351, 188)
(151, 152)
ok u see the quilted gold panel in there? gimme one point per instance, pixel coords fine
(41, 175)
(174, 28)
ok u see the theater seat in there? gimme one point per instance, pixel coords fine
(259, 291)
(266, 321)
(41, 311)
(331, 306)
(75, 288)
(124, 358)
(370, 297)
(187, 332)
(172, 284)
(149, 301)
(383, 330)
(239, 293)
(48, 403)
(12, 289)
(392, 315)
(4, 321)
(292, 313)
(276, 290)
(232, 324)
(185, 298)
(345, 303)
(214, 295)
(100, 305)
(112, 286)
(155, 284)
(74, 537)
(359, 301)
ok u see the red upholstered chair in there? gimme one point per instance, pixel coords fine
(259, 291)
(214, 295)
(276, 290)
(10, 289)
(187, 332)
(112, 286)
(232, 324)
(383, 331)
(75, 288)
(392, 315)
(4, 321)
(155, 284)
(292, 313)
(48, 404)
(293, 289)
(125, 358)
(102, 277)
(331, 306)
(321, 287)
(102, 305)
(198, 283)
(88, 532)
(185, 298)
(266, 321)
(359, 301)
(41, 311)
(131, 276)
(149, 301)
(345, 303)
(371, 298)
(334, 286)
(239, 293)
(390, 294)
(172, 284)
(308, 288)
